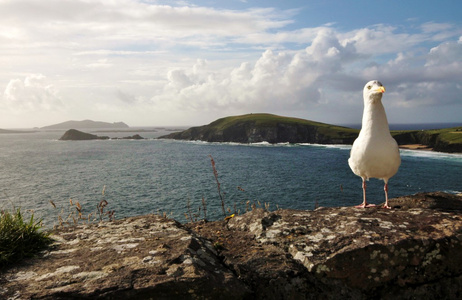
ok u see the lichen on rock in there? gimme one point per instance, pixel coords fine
(411, 251)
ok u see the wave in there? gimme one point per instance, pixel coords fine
(432, 154)
(331, 146)
(259, 144)
(452, 192)
(404, 152)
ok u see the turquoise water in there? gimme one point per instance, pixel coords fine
(163, 175)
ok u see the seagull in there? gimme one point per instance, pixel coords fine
(374, 154)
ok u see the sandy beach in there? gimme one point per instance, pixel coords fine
(416, 147)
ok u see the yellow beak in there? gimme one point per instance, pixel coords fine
(381, 89)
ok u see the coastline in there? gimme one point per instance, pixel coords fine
(416, 147)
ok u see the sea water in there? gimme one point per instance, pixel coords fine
(175, 177)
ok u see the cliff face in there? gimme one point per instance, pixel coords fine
(267, 128)
(255, 128)
(409, 252)
(444, 140)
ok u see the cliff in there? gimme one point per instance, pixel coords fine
(409, 252)
(443, 140)
(86, 124)
(255, 128)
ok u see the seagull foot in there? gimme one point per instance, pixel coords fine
(386, 206)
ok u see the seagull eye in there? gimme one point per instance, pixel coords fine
(369, 87)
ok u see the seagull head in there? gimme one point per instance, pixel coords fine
(373, 91)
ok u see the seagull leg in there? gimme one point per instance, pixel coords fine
(385, 188)
(364, 204)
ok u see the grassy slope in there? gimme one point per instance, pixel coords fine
(270, 120)
(447, 135)
(450, 136)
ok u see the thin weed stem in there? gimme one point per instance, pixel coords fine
(222, 197)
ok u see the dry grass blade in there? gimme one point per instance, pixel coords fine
(215, 173)
(204, 205)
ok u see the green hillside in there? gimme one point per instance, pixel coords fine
(445, 140)
(254, 128)
(261, 127)
(269, 120)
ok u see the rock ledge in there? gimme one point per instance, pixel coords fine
(411, 251)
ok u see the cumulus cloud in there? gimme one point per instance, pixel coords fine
(285, 79)
(133, 56)
(31, 94)
(448, 53)
(430, 79)
(313, 76)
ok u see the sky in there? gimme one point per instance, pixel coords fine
(188, 63)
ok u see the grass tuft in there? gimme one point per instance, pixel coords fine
(20, 238)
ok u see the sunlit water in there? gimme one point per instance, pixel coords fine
(150, 176)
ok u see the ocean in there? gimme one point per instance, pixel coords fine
(175, 177)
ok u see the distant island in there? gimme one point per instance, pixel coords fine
(257, 128)
(6, 131)
(76, 135)
(87, 124)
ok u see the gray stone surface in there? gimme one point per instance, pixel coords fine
(409, 252)
(142, 257)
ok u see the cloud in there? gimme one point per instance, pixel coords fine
(33, 93)
(446, 54)
(382, 39)
(276, 80)
(431, 79)
(139, 56)
(102, 24)
(310, 77)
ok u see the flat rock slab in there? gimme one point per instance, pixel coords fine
(142, 257)
(412, 251)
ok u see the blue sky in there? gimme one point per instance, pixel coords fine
(160, 63)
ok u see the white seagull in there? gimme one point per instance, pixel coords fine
(374, 154)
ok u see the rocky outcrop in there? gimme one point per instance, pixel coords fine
(409, 252)
(135, 258)
(133, 137)
(75, 135)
